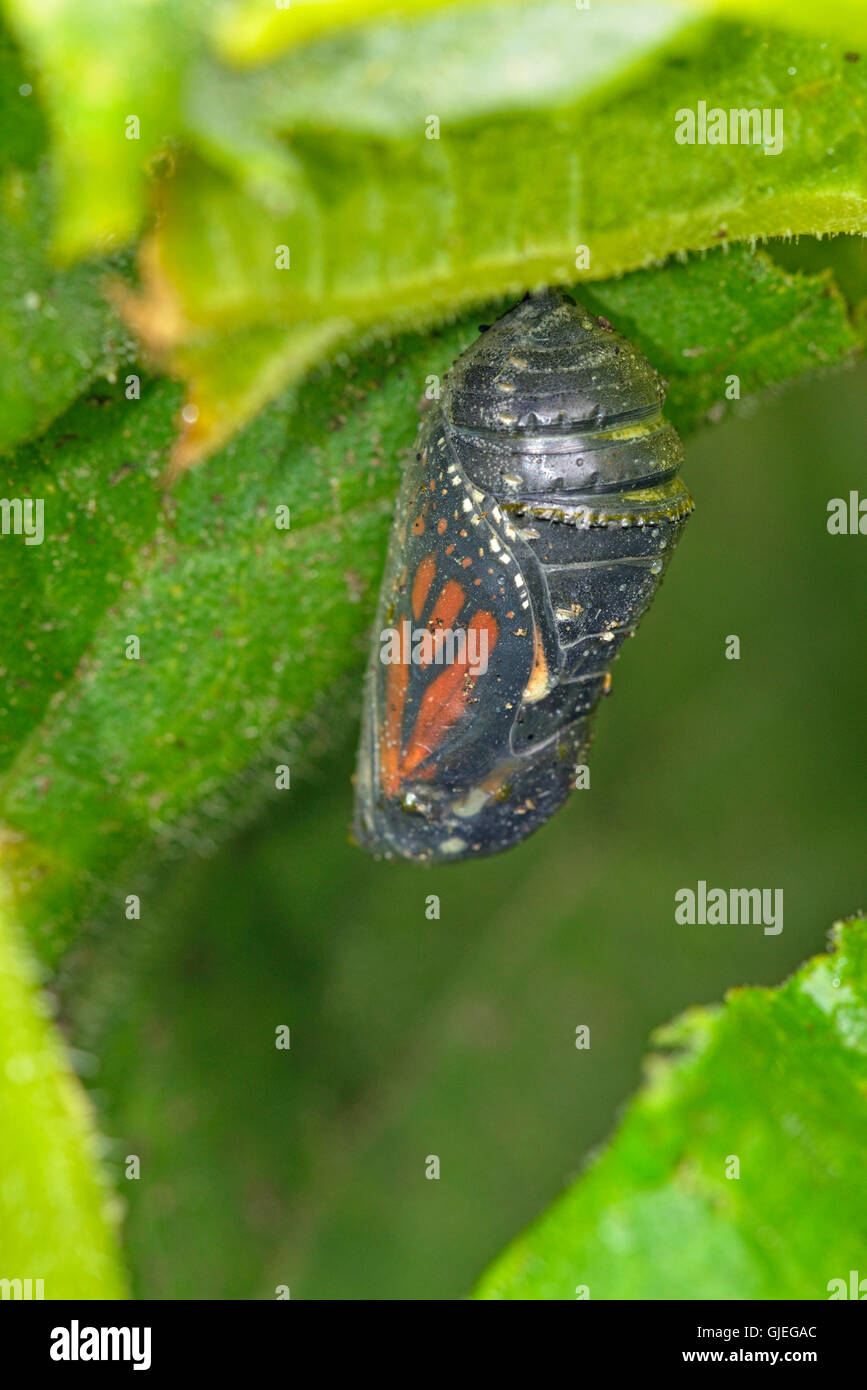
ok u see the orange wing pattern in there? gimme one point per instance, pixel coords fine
(448, 577)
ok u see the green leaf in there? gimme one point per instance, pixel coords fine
(58, 1220)
(388, 229)
(252, 639)
(58, 333)
(247, 31)
(776, 1081)
(96, 65)
(385, 227)
(845, 18)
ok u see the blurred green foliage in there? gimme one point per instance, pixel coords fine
(59, 1214)
(286, 214)
(58, 334)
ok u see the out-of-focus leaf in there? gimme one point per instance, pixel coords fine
(58, 1220)
(845, 19)
(100, 67)
(737, 1171)
(247, 31)
(460, 62)
(57, 331)
(386, 227)
(252, 638)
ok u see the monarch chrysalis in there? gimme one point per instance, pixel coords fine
(531, 531)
